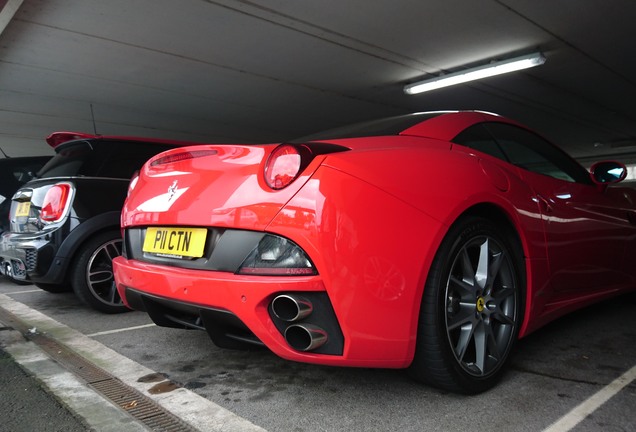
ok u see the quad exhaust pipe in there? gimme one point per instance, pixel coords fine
(300, 336)
(291, 308)
(305, 337)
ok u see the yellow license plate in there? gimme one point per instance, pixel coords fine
(176, 242)
(23, 208)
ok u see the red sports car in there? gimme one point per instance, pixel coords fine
(430, 241)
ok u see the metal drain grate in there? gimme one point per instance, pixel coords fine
(127, 398)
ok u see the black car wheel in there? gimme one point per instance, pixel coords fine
(471, 308)
(92, 275)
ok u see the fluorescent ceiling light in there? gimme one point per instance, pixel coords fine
(491, 69)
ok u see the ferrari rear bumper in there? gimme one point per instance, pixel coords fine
(237, 311)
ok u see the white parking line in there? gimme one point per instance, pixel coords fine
(107, 332)
(24, 291)
(587, 407)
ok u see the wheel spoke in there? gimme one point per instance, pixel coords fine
(113, 296)
(491, 343)
(495, 267)
(481, 351)
(468, 272)
(466, 315)
(503, 318)
(464, 288)
(112, 251)
(481, 275)
(465, 336)
(502, 296)
(100, 276)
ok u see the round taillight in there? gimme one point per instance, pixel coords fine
(283, 166)
(55, 203)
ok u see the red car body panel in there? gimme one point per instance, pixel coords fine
(371, 220)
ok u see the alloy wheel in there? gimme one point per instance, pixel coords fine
(99, 273)
(481, 306)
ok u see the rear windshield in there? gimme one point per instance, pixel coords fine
(100, 158)
(380, 127)
(15, 172)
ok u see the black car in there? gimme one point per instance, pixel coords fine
(64, 224)
(14, 172)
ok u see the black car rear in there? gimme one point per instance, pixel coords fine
(14, 172)
(64, 225)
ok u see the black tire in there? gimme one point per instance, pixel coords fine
(53, 288)
(92, 273)
(471, 308)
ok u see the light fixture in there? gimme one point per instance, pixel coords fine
(491, 69)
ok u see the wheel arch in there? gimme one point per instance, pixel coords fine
(505, 219)
(512, 226)
(513, 229)
(84, 232)
(499, 215)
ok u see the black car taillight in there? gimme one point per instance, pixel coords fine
(56, 203)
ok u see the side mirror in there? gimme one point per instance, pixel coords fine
(608, 172)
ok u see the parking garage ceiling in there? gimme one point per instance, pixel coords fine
(271, 70)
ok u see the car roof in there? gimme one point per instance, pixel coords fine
(431, 124)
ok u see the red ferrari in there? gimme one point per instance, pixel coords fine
(430, 241)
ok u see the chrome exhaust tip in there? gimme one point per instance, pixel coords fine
(291, 308)
(305, 337)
